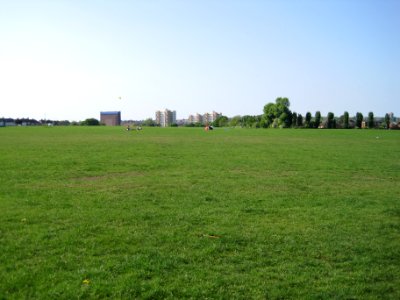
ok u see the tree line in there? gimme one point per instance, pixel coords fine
(34, 122)
(278, 115)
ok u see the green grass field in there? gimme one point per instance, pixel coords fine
(99, 212)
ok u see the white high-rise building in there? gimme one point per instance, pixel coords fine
(215, 115)
(206, 118)
(165, 118)
(198, 118)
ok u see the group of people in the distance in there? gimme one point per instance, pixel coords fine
(138, 128)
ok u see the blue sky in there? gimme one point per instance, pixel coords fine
(72, 59)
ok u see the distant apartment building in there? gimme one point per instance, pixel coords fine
(216, 115)
(190, 119)
(165, 118)
(110, 118)
(206, 118)
(198, 118)
(211, 117)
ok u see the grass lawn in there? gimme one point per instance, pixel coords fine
(99, 212)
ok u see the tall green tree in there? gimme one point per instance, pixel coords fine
(317, 121)
(299, 121)
(270, 113)
(282, 104)
(387, 121)
(371, 123)
(308, 120)
(294, 119)
(330, 120)
(346, 120)
(285, 119)
(283, 111)
(359, 119)
(278, 113)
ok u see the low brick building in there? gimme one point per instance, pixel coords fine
(110, 118)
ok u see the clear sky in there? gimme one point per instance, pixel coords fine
(71, 59)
